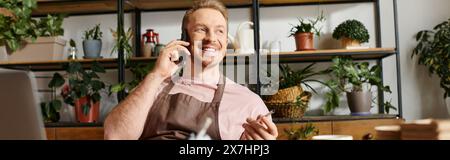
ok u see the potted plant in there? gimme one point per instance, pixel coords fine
(291, 100)
(356, 79)
(82, 89)
(92, 42)
(15, 25)
(49, 44)
(72, 50)
(351, 33)
(304, 133)
(139, 71)
(123, 42)
(433, 51)
(304, 32)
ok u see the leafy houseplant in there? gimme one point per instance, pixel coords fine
(123, 41)
(433, 51)
(292, 100)
(15, 23)
(82, 90)
(351, 33)
(92, 42)
(304, 32)
(356, 79)
(303, 133)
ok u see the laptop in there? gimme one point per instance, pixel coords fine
(20, 113)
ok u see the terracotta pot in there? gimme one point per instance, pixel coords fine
(359, 103)
(347, 42)
(304, 41)
(93, 114)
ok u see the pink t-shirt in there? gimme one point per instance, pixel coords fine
(238, 103)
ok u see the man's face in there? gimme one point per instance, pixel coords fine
(207, 29)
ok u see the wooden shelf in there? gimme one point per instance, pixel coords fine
(55, 65)
(303, 2)
(283, 57)
(110, 6)
(327, 55)
(334, 118)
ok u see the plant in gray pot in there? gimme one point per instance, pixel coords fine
(356, 79)
(92, 43)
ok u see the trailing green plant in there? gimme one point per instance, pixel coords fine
(123, 41)
(139, 71)
(349, 76)
(352, 29)
(81, 83)
(93, 34)
(433, 51)
(307, 26)
(303, 133)
(50, 26)
(16, 23)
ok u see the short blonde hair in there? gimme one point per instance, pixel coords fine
(199, 4)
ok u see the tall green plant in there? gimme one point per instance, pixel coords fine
(16, 23)
(123, 41)
(433, 51)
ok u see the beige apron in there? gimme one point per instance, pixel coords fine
(177, 116)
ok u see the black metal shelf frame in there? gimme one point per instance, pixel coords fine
(255, 6)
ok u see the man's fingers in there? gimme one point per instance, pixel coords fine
(271, 127)
(252, 132)
(248, 137)
(261, 130)
(177, 42)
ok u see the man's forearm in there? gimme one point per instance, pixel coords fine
(126, 120)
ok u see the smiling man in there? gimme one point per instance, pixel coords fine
(164, 107)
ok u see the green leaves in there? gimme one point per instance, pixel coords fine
(50, 26)
(93, 34)
(50, 111)
(304, 133)
(352, 29)
(82, 82)
(57, 81)
(343, 72)
(307, 27)
(433, 51)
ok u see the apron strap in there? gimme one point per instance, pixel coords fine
(219, 91)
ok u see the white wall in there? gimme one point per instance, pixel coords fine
(421, 94)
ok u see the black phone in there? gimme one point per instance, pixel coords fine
(184, 37)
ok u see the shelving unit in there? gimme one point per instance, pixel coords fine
(85, 7)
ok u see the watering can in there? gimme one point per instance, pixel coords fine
(243, 41)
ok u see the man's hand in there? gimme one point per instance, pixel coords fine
(260, 129)
(166, 64)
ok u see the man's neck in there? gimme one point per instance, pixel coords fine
(208, 75)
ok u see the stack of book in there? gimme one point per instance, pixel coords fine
(428, 129)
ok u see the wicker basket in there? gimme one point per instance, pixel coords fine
(290, 109)
(285, 95)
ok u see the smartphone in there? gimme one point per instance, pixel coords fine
(184, 37)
